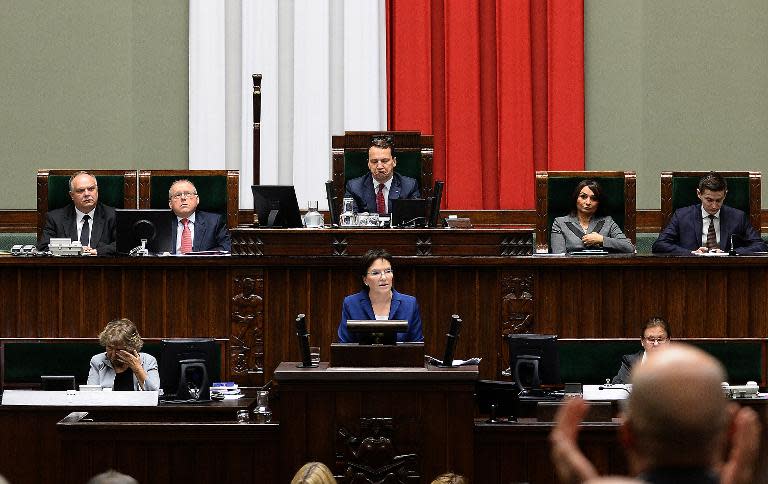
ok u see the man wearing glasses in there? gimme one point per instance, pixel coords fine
(195, 230)
(85, 219)
(655, 335)
(374, 191)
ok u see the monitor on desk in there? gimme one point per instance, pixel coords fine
(57, 382)
(409, 213)
(187, 368)
(377, 331)
(276, 206)
(154, 226)
(534, 360)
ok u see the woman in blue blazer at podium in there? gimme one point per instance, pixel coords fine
(379, 300)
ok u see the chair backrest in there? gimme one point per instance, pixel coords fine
(678, 189)
(117, 188)
(218, 190)
(553, 199)
(413, 151)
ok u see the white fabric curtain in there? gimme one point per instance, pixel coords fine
(324, 72)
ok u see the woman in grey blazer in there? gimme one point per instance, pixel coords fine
(586, 227)
(121, 366)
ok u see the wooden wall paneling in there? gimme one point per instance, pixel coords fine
(695, 304)
(737, 294)
(247, 335)
(671, 306)
(758, 303)
(9, 301)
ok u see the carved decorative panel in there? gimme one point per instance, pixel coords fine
(517, 305)
(247, 338)
(372, 458)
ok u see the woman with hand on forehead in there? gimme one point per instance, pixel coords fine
(121, 366)
(379, 300)
(586, 227)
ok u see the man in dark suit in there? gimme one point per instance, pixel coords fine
(373, 192)
(194, 230)
(85, 219)
(656, 334)
(709, 225)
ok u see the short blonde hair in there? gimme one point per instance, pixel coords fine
(121, 331)
(314, 473)
(449, 478)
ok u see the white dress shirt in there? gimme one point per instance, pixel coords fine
(79, 225)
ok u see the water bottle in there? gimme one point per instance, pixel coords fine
(262, 413)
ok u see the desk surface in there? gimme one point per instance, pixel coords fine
(289, 371)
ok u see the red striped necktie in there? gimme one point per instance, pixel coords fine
(186, 237)
(380, 206)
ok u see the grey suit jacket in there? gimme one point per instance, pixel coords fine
(102, 373)
(627, 362)
(567, 233)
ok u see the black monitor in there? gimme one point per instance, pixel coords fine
(377, 331)
(497, 398)
(534, 360)
(437, 198)
(409, 212)
(276, 206)
(187, 368)
(58, 382)
(155, 226)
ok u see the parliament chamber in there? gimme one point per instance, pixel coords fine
(249, 300)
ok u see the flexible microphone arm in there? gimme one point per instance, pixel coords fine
(601, 387)
(451, 337)
(303, 336)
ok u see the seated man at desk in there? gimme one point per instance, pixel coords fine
(656, 334)
(85, 219)
(372, 192)
(194, 230)
(709, 226)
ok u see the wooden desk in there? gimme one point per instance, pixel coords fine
(34, 452)
(253, 300)
(349, 418)
(167, 452)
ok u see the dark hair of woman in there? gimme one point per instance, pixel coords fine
(369, 258)
(596, 190)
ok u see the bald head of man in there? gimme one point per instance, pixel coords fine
(677, 415)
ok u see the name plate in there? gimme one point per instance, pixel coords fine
(71, 398)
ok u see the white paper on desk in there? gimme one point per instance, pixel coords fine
(72, 398)
(434, 361)
(608, 392)
(712, 254)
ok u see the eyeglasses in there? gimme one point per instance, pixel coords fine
(178, 195)
(657, 341)
(375, 273)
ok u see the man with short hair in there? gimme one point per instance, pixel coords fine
(195, 230)
(709, 225)
(85, 219)
(676, 426)
(374, 191)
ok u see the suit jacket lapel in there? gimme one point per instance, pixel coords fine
(698, 225)
(394, 189)
(70, 224)
(200, 229)
(98, 225)
(174, 227)
(365, 305)
(369, 193)
(394, 304)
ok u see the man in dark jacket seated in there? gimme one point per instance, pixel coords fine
(373, 192)
(656, 334)
(195, 230)
(85, 219)
(707, 227)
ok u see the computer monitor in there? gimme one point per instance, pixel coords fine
(332, 212)
(437, 198)
(409, 212)
(58, 382)
(377, 331)
(276, 206)
(534, 360)
(497, 398)
(187, 368)
(155, 226)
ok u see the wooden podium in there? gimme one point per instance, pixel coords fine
(413, 423)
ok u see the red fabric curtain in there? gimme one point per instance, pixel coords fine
(500, 84)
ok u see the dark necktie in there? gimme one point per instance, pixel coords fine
(711, 236)
(380, 206)
(85, 232)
